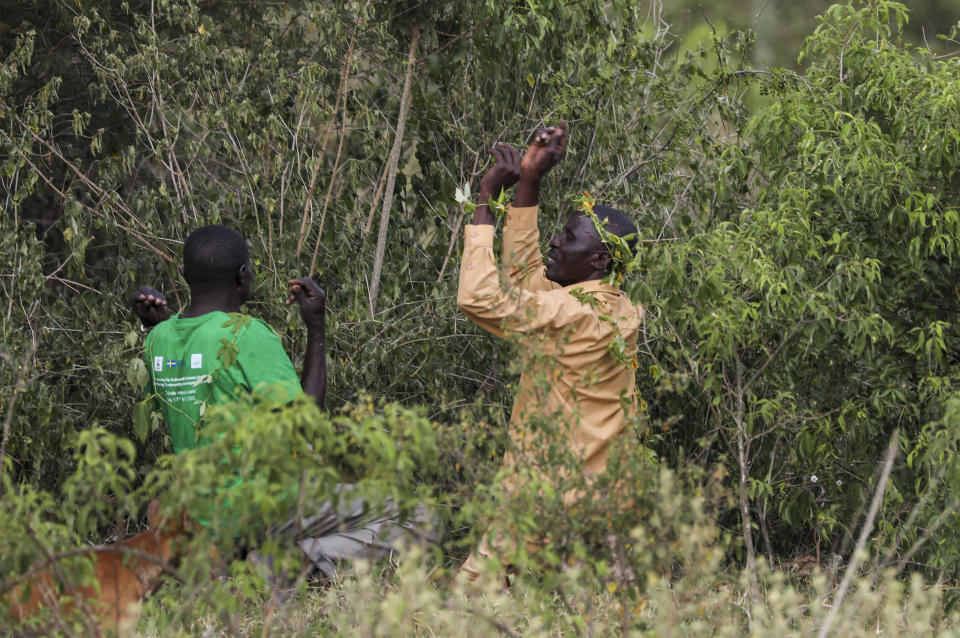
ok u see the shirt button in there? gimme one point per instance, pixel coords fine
(469, 266)
(473, 234)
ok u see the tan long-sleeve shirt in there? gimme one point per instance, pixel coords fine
(569, 369)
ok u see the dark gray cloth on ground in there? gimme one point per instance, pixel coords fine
(348, 527)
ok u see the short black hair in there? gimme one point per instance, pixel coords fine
(618, 223)
(212, 255)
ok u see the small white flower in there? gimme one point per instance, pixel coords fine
(813, 478)
(839, 483)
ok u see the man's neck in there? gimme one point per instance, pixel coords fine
(201, 304)
(596, 276)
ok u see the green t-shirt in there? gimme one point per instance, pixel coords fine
(210, 360)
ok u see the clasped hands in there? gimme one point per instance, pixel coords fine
(509, 168)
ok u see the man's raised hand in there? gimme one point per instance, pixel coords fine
(504, 173)
(150, 305)
(544, 152)
(311, 299)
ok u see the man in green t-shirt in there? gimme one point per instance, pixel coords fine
(209, 354)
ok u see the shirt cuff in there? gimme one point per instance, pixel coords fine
(478, 235)
(522, 217)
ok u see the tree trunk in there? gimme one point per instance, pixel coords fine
(392, 170)
(744, 487)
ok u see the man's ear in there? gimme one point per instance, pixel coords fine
(243, 274)
(602, 261)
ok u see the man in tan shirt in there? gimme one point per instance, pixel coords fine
(564, 313)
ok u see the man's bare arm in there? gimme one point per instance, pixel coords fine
(313, 305)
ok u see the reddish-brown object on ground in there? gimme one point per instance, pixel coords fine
(125, 572)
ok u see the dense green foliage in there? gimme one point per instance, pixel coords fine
(814, 314)
(797, 262)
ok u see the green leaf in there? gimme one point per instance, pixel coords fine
(237, 321)
(141, 419)
(137, 374)
(228, 353)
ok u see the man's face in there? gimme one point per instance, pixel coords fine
(574, 253)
